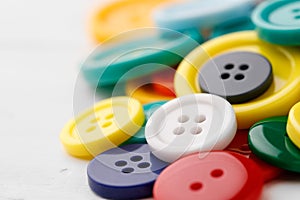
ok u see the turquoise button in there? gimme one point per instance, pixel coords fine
(201, 13)
(242, 25)
(149, 109)
(137, 53)
(278, 21)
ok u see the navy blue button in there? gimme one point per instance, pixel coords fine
(126, 172)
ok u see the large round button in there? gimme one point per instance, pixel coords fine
(122, 15)
(192, 123)
(293, 125)
(201, 14)
(128, 172)
(269, 141)
(236, 76)
(278, 21)
(139, 137)
(283, 93)
(215, 175)
(137, 53)
(106, 125)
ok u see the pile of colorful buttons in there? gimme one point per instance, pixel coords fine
(210, 101)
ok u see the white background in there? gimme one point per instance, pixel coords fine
(42, 44)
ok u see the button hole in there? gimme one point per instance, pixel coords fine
(217, 173)
(244, 67)
(296, 10)
(196, 130)
(109, 116)
(178, 131)
(297, 17)
(127, 170)
(144, 165)
(225, 76)
(121, 163)
(229, 66)
(136, 158)
(200, 118)
(90, 129)
(239, 77)
(196, 186)
(107, 124)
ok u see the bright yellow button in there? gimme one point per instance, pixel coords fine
(293, 125)
(122, 15)
(277, 100)
(144, 92)
(109, 123)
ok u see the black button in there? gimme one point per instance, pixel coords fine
(236, 76)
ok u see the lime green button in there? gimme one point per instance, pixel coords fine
(278, 21)
(268, 139)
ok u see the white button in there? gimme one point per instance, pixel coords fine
(191, 123)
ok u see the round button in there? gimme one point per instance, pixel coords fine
(240, 145)
(293, 125)
(137, 53)
(122, 15)
(192, 123)
(139, 137)
(269, 141)
(106, 125)
(142, 89)
(207, 177)
(236, 76)
(201, 14)
(163, 82)
(283, 93)
(128, 172)
(278, 21)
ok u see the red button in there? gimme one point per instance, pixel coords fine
(214, 175)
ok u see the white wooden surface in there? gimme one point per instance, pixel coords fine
(41, 46)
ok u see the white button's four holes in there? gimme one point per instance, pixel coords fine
(200, 118)
(106, 124)
(144, 165)
(95, 120)
(109, 116)
(121, 163)
(244, 67)
(178, 131)
(183, 119)
(136, 158)
(217, 173)
(229, 66)
(90, 129)
(196, 130)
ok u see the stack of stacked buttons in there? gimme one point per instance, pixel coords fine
(209, 100)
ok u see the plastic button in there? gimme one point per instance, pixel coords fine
(201, 14)
(278, 21)
(283, 93)
(269, 141)
(293, 125)
(236, 76)
(106, 125)
(128, 172)
(137, 53)
(122, 15)
(192, 123)
(216, 175)
(139, 137)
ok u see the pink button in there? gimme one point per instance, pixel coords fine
(214, 175)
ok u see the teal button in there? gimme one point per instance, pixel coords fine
(149, 109)
(268, 140)
(278, 21)
(137, 53)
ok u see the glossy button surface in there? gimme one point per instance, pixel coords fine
(139, 137)
(201, 14)
(278, 21)
(192, 123)
(128, 172)
(215, 175)
(269, 141)
(283, 93)
(137, 53)
(106, 125)
(293, 125)
(236, 76)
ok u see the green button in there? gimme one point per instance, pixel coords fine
(269, 141)
(278, 21)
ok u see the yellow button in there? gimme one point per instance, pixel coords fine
(106, 125)
(122, 15)
(277, 100)
(293, 125)
(144, 92)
